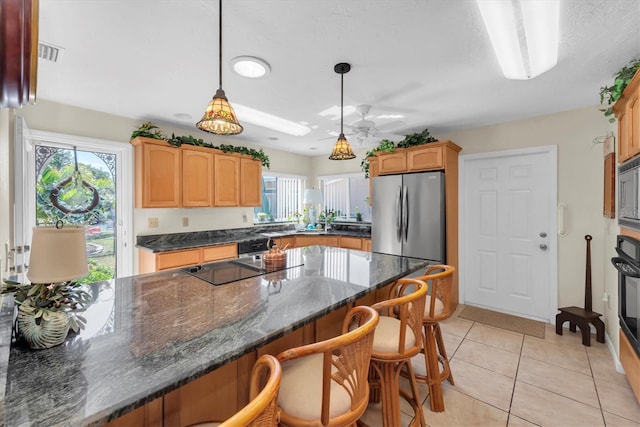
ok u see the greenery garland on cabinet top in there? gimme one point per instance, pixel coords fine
(610, 94)
(150, 130)
(386, 146)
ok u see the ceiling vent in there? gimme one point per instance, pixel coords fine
(49, 52)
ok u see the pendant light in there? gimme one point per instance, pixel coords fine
(342, 149)
(220, 118)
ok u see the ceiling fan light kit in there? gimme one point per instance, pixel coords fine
(524, 35)
(342, 149)
(219, 118)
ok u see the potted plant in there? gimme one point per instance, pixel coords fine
(262, 216)
(610, 94)
(46, 311)
(358, 214)
(385, 146)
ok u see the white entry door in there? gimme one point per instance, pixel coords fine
(508, 231)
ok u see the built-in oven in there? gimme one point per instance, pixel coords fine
(628, 265)
(629, 194)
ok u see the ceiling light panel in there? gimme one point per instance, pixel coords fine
(270, 121)
(524, 35)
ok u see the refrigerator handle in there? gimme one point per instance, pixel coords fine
(405, 213)
(399, 214)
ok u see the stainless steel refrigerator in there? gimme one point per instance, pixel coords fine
(408, 216)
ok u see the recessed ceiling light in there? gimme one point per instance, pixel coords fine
(182, 116)
(273, 138)
(313, 148)
(250, 67)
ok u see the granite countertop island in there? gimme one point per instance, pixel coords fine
(150, 334)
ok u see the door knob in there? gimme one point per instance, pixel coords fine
(543, 234)
(543, 246)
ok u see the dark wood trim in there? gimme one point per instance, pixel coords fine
(18, 52)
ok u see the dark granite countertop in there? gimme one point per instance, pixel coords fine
(177, 241)
(147, 335)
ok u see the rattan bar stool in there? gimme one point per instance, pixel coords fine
(437, 308)
(397, 339)
(262, 410)
(325, 383)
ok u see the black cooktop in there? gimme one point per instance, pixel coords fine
(220, 273)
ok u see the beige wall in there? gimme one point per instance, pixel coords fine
(580, 187)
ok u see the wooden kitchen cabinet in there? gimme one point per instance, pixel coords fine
(425, 158)
(197, 173)
(250, 182)
(627, 111)
(366, 245)
(316, 240)
(226, 180)
(193, 176)
(158, 169)
(395, 162)
(219, 252)
(349, 242)
(149, 262)
(149, 415)
(289, 242)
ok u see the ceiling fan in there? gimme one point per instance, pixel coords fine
(364, 129)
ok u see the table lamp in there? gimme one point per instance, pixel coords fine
(57, 254)
(312, 196)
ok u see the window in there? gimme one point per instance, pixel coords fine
(281, 197)
(347, 195)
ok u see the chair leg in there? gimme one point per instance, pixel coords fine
(414, 400)
(390, 392)
(436, 399)
(447, 375)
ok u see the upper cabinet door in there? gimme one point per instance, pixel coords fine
(250, 182)
(226, 180)
(197, 178)
(158, 171)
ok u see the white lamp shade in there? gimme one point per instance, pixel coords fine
(312, 195)
(57, 254)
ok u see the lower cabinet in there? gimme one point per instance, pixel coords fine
(149, 415)
(149, 262)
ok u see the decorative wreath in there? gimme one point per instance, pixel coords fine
(55, 193)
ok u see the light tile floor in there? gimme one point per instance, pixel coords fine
(508, 379)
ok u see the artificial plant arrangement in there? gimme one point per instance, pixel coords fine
(54, 303)
(386, 146)
(148, 130)
(610, 94)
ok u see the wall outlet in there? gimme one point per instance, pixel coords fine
(153, 222)
(244, 217)
(185, 221)
(605, 297)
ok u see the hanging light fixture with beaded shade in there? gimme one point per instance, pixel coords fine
(219, 117)
(342, 149)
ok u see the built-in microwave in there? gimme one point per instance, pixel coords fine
(629, 194)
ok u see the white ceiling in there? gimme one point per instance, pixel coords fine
(428, 60)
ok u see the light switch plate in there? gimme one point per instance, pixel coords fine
(153, 222)
(185, 221)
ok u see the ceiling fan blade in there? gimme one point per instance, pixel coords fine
(391, 136)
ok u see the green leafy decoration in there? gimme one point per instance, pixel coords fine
(148, 130)
(610, 94)
(385, 145)
(418, 138)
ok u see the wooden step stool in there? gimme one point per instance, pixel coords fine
(581, 318)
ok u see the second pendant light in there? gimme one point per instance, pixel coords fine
(342, 149)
